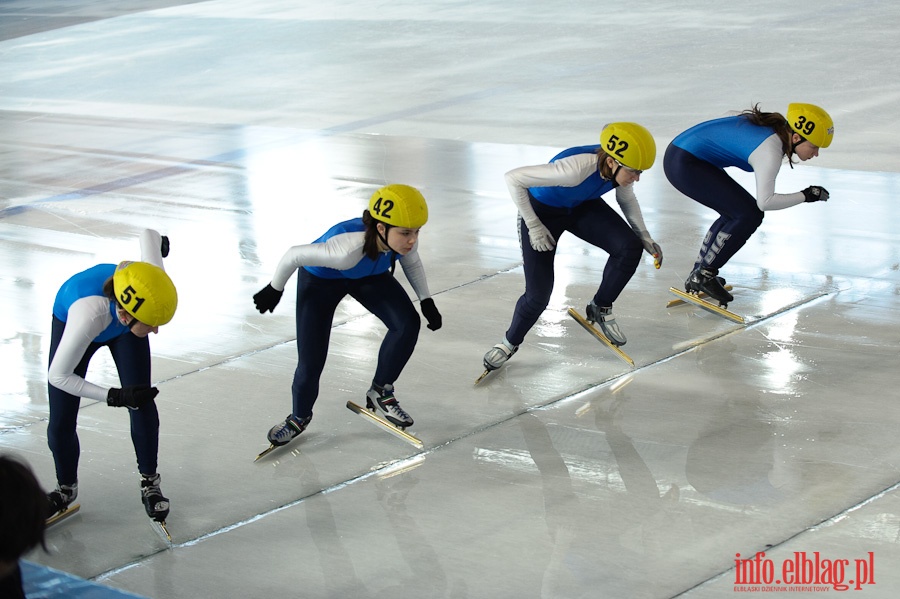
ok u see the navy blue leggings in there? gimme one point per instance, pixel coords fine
(317, 299)
(739, 216)
(132, 357)
(593, 221)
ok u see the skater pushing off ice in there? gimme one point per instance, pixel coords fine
(117, 307)
(565, 195)
(753, 141)
(356, 258)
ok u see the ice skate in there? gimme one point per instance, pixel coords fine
(156, 504)
(382, 398)
(497, 357)
(706, 280)
(373, 417)
(600, 336)
(284, 432)
(607, 322)
(61, 503)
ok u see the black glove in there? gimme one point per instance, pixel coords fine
(131, 397)
(431, 314)
(814, 193)
(267, 299)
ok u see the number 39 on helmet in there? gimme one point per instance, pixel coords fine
(146, 292)
(812, 123)
(399, 206)
(630, 144)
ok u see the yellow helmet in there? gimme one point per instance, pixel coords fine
(812, 123)
(630, 144)
(146, 292)
(399, 206)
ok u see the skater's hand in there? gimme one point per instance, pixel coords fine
(431, 314)
(540, 237)
(131, 397)
(814, 193)
(164, 246)
(267, 298)
(654, 250)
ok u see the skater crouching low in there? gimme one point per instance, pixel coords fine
(117, 307)
(356, 258)
(754, 141)
(565, 195)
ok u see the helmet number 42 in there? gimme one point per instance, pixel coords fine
(383, 207)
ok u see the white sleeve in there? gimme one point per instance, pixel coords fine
(341, 252)
(766, 162)
(632, 211)
(88, 317)
(415, 272)
(151, 247)
(566, 172)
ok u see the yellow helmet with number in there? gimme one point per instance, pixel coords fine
(629, 143)
(399, 206)
(812, 123)
(146, 292)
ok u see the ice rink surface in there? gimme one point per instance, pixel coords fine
(240, 129)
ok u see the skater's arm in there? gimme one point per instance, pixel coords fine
(341, 252)
(87, 318)
(151, 247)
(632, 211)
(766, 162)
(415, 272)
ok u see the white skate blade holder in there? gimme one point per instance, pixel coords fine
(385, 425)
(63, 514)
(600, 337)
(708, 306)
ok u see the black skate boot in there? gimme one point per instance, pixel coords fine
(61, 498)
(156, 505)
(382, 398)
(284, 432)
(706, 280)
(607, 322)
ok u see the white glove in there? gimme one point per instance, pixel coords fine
(540, 237)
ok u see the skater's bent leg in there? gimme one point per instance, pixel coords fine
(62, 436)
(317, 300)
(539, 278)
(384, 297)
(132, 357)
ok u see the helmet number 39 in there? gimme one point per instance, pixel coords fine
(128, 294)
(805, 125)
(617, 146)
(383, 207)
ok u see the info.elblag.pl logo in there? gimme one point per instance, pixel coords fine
(803, 572)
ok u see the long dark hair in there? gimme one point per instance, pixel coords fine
(777, 123)
(370, 245)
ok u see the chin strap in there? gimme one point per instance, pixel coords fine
(384, 240)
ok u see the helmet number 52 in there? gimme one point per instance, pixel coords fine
(128, 294)
(617, 146)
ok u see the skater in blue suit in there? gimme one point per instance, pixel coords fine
(753, 141)
(564, 195)
(356, 258)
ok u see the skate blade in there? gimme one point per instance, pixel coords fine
(701, 295)
(708, 306)
(162, 531)
(600, 337)
(384, 424)
(486, 372)
(266, 452)
(63, 515)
